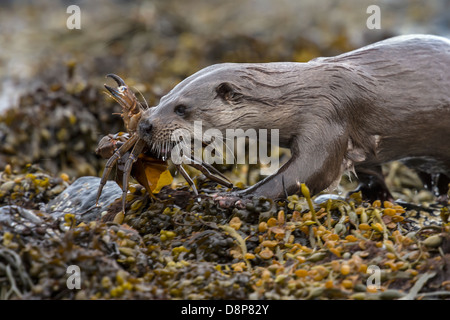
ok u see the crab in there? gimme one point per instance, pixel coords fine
(132, 156)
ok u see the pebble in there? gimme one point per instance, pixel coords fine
(81, 195)
(325, 197)
(27, 214)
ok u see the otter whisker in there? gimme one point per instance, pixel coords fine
(146, 104)
(165, 150)
(159, 150)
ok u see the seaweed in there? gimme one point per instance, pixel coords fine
(199, 250)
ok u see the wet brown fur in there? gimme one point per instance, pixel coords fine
(383, 102)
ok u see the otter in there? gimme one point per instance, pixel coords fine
(353, 112)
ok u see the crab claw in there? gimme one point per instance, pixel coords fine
(122, 94)
(116, 78)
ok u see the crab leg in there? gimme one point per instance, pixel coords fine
(206, 169)
(137, 149)
(187, 178)
(112, 161)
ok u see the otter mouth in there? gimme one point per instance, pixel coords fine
(162, 150)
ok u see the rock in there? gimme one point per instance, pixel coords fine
(26, 214)
(325, 197)
(79, 199)
(15, 217)
(25, 223)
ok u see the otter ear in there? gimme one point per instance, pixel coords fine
(227, 91)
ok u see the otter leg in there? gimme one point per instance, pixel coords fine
(372, 184)
(316, 161)
(439, 184)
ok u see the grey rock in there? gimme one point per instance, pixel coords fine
(79, 199)
(325, 197)
(7, 213)
(26, 223)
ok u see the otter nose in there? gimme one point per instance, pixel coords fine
(145, 126)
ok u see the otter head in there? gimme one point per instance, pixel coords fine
(224, 96)
(210, 96)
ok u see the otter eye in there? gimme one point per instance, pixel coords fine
(180, 110)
